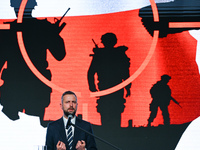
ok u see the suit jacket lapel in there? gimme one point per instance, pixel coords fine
(62, 131)
(76, 132)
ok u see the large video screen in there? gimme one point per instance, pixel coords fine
(48, 47)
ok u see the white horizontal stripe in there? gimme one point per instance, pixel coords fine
(49, 8)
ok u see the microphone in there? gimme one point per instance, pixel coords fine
(69, 121)
(102, 140)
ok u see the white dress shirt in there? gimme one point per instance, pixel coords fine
(73, 120)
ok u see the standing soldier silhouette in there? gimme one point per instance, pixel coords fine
(111, 65)
(22, 90)
(161, 95)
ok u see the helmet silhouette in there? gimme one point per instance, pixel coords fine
(109, 39)
(16, 4)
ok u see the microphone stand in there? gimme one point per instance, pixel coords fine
(94, 135)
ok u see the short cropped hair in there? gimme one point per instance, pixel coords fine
(68, 92)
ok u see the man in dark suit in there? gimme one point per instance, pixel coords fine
(56, 137)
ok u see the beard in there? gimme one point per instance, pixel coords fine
(68, 113)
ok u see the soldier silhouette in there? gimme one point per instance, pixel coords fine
(111, 65)
(22, 90)
(161, 95)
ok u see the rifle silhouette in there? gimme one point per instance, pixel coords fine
(176, 102)
(57, 22)
(19, 26)
(96, 46)
(95, 43)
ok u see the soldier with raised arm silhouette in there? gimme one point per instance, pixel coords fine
(22, 90)
(111, 65)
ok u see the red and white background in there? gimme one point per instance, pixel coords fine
(177, 55)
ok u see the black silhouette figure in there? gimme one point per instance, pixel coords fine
(161, 95)
(22, 90)
(111, 65)
(175, 11)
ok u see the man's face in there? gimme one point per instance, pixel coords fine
(69, 105)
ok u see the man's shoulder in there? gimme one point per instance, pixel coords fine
(98, 50)
(56, 122)
(78, 120)
(122, 48)
(45, 21)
